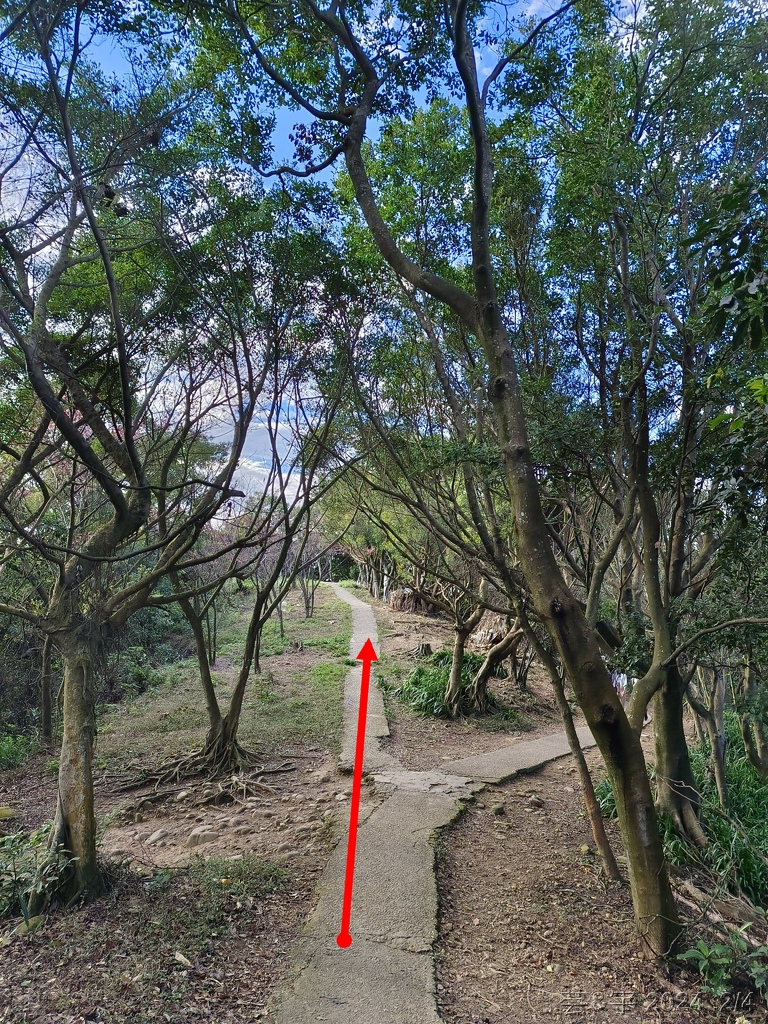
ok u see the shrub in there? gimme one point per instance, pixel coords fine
(719, 963)
(424, 688)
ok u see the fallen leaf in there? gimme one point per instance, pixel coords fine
(182, 959)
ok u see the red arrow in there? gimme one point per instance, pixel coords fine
(367, 655)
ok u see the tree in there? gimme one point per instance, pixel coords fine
(119, 369)
(350, 71)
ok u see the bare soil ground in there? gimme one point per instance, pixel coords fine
(529, 930)
(205, 899)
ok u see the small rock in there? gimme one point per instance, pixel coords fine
(282, 847)
(569, 789)
(341, 797)
(181, 796)
(328, 813)
(243, 829)
(200, 835)
(535, 801)
(481, 805)
(161, 833)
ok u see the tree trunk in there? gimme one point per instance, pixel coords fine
(211, 628)
(676, 792)
(203, 664)
(591, 805)
(453, 692)
(506, 647)
(74, 827)
(716, 730)
(655, 912)
(752, 729)
(46, 695)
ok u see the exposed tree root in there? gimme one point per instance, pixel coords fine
(214, 764)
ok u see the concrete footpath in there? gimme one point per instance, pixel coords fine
(387, 975)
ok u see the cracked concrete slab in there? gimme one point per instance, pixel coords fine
(369, 983)
(517, 756)
(386, 976)
(427, 782)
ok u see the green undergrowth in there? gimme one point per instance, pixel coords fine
(423, 690)
(15, 748)
(303, 704)
(25, 869)
(736, 854)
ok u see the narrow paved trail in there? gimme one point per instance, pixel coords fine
(387, 976)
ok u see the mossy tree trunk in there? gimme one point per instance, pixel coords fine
(74, 827)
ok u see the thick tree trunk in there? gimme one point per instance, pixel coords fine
(676, 791)
(74, 826)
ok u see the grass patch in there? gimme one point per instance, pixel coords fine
(296, 697)
(186, 910)
(327, 675)
(351, 585)
(289, 705)
(15, 749)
